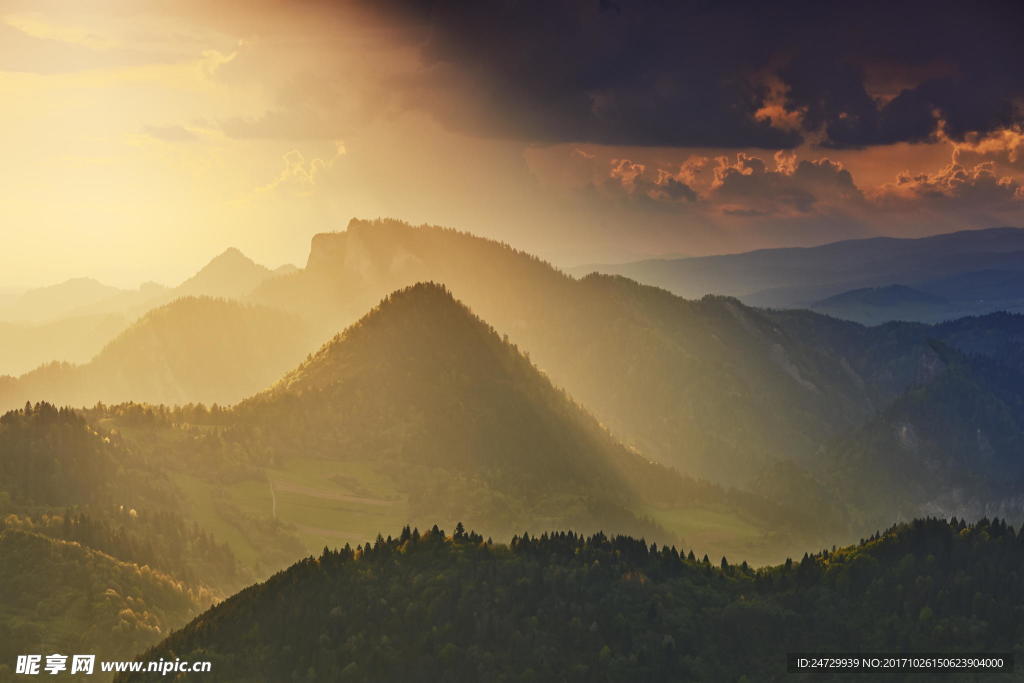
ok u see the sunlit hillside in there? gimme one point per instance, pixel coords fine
(421, 412)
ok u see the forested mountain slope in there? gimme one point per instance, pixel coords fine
(564, 607)
(58, 596)
(95, 554)
(60, 477)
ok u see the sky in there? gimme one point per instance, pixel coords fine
(141, 138)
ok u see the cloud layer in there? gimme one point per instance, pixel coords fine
(730, 74)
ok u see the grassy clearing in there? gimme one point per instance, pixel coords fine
(332, 503)
(200, 497)
(717, 531)
(327, 502)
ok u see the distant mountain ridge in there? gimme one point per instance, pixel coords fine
(713, 388)
(231, 274)
(890, 295)
(946, 298)
(193, 349)
(799, 276)
(75, 339)
(877, 305)
(54, 301)
(72, 321)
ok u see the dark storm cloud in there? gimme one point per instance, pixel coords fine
(652, 72)
(637, 74)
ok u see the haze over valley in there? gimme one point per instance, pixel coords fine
(573, 342)
(473, 383)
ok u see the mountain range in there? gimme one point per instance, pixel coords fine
(190, 350)
(978, 271)
(72, 321)
(420, 411)
(473, 383)
(713, 388)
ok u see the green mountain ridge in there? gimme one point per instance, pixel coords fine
(62, 478)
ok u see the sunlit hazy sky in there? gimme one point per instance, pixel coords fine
(142, 138)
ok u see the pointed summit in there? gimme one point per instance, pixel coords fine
(231, 274)
(230, 255)
(421, 328)
(423, 388)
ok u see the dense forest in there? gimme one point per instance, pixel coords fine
(565, 607)
(99, 554)
(60, 478)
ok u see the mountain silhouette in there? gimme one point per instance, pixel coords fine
(877, 305)
(423, 388)
(57, 301)
(798, 276)
(231, 274)
(191, 350)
